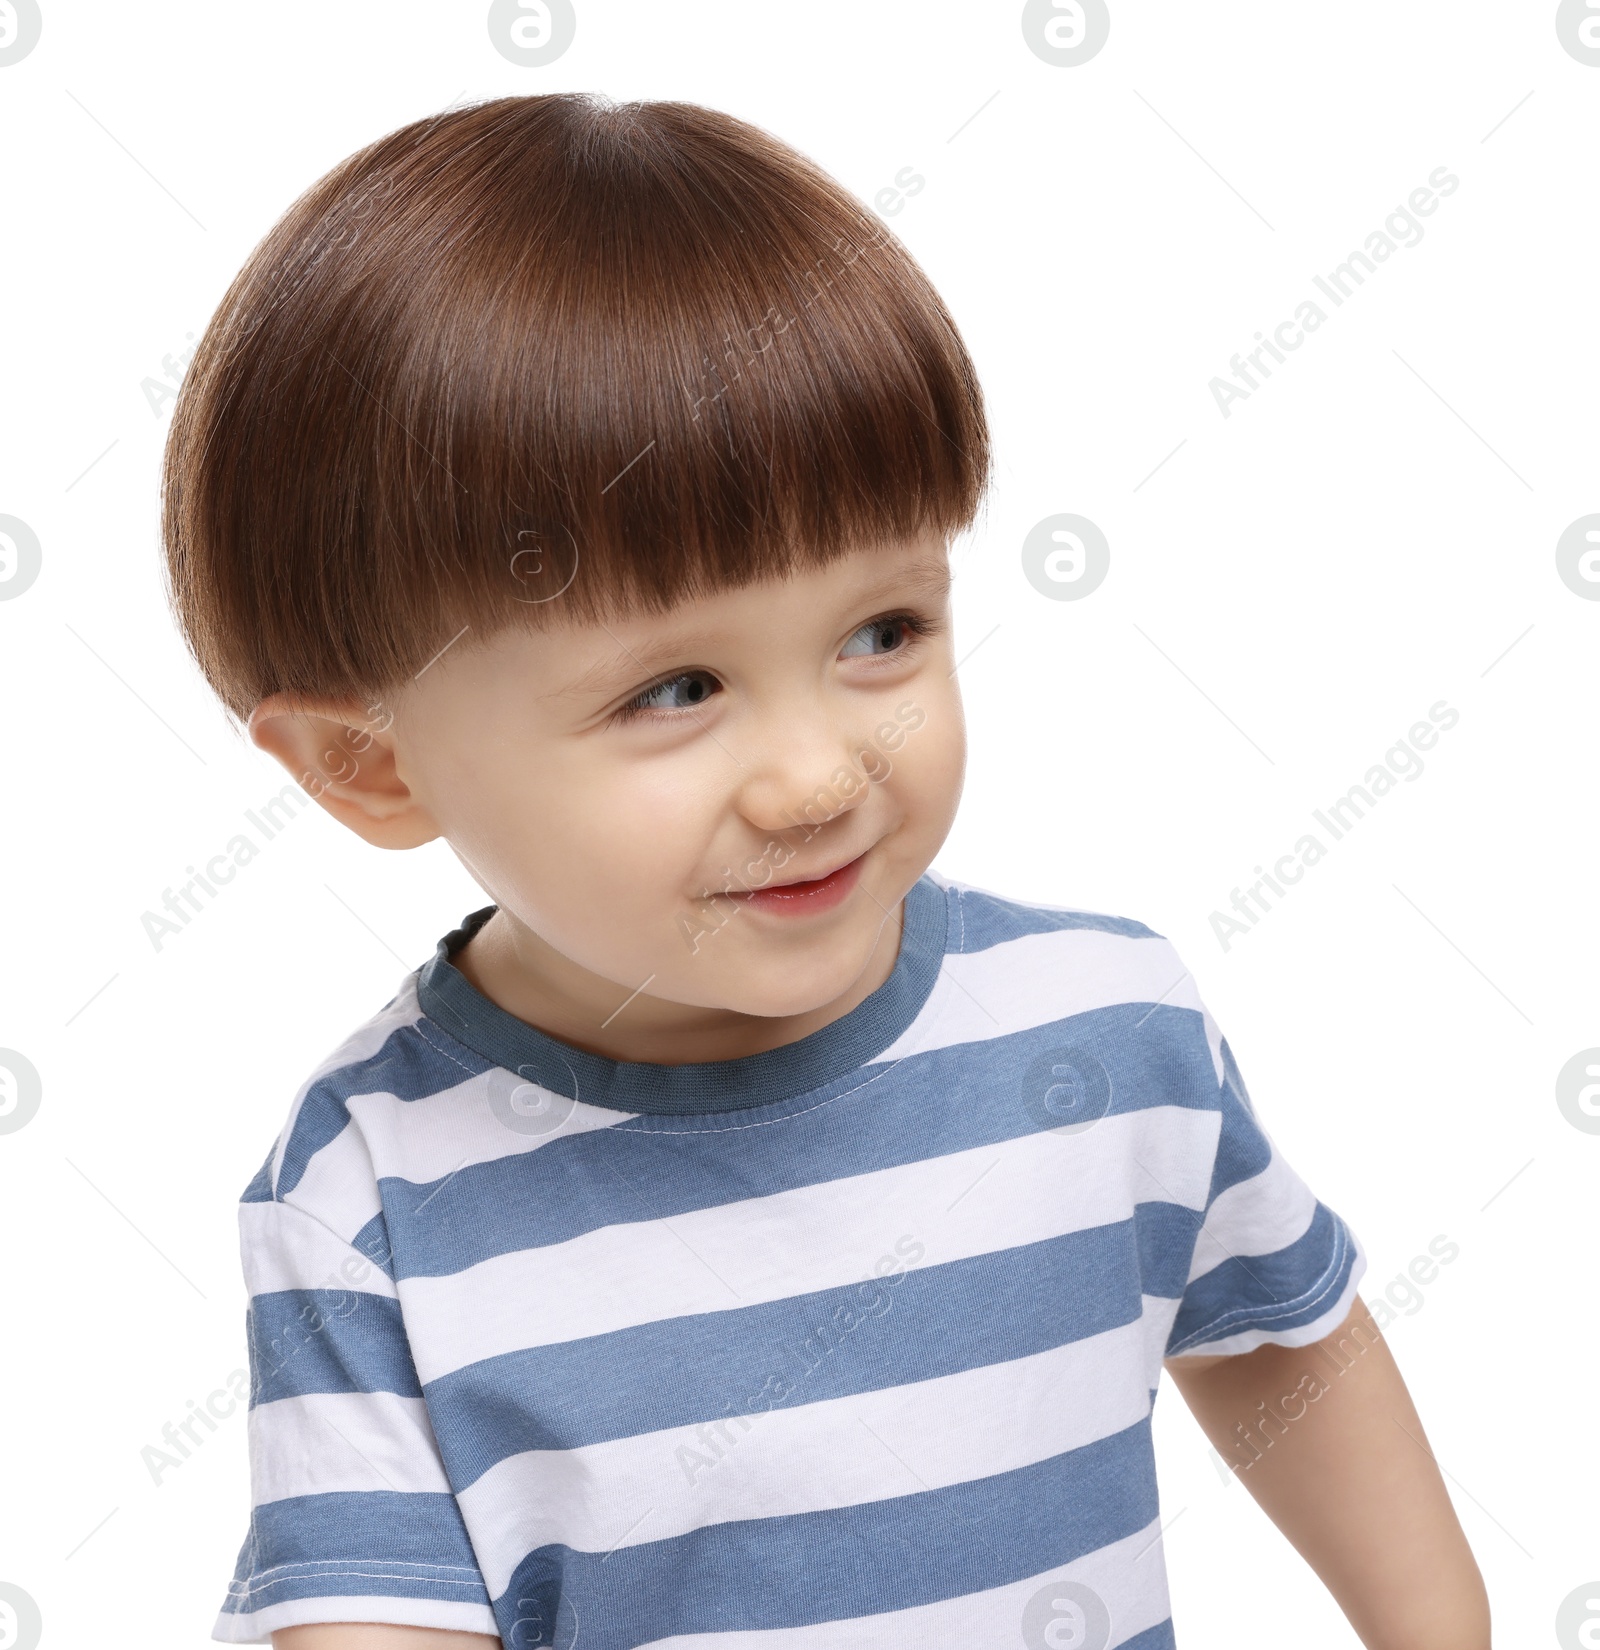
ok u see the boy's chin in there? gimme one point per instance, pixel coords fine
(771, 990)
(782, 1005)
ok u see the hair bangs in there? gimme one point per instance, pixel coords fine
(540, 360)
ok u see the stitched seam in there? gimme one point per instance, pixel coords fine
(644, 1122)
(1308, 1296)
(421, 1026)
(1257, 1317)
(314, 1566)
(238, 1591)
(1254, 1317)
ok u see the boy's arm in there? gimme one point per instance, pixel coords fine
(376, 1635)
(1326, 1439)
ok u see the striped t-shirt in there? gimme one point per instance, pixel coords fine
(847, 1345)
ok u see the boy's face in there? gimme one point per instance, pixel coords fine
(617, 787)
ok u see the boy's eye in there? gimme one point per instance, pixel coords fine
(681, 692)
(690, 688)
(879, 636)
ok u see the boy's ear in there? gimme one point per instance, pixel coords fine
(342, 754)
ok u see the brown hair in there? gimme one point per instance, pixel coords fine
(549, 357)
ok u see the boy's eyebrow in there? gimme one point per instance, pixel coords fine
(634, 664)
(929, 578)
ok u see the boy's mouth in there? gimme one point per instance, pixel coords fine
(816, 894)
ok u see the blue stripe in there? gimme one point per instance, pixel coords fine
(260, 1188)
(327, 1340)
(390, 1545)
(748, 1575)
(981, 921)
(908, 1326)
(1243, 1149)
(1275, 1292)
(924, 1106)
(1166, 1234)
(1233, 1078)
(373, 1240)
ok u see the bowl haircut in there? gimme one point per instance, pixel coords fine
(547, 359)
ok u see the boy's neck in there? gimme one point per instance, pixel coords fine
(520, 973)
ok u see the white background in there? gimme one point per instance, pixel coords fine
(1372, 532)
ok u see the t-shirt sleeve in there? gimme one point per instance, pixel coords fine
(352, 1517)
(1271, 1262)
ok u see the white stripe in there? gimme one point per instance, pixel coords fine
(259, 1625)
(1160, 1313)
(837, 1452)
(1036, 979)
(286, 1248)
(1258, 1216)
(339, 1186)
(338, 1441)
(763, 1249)
(1172, 963)
(1129, 1575)
(429, 1140)
(479, 1120)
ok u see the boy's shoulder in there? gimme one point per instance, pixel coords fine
(395, 1053)
(981, 917)
(1017, 968)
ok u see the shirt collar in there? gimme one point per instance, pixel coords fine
(811, 1062)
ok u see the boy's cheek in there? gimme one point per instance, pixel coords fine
(932, 760)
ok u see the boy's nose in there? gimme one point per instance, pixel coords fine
(802, 775)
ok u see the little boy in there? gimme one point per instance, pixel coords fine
(738, 1235)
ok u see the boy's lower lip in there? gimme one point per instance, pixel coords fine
(804, 898)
